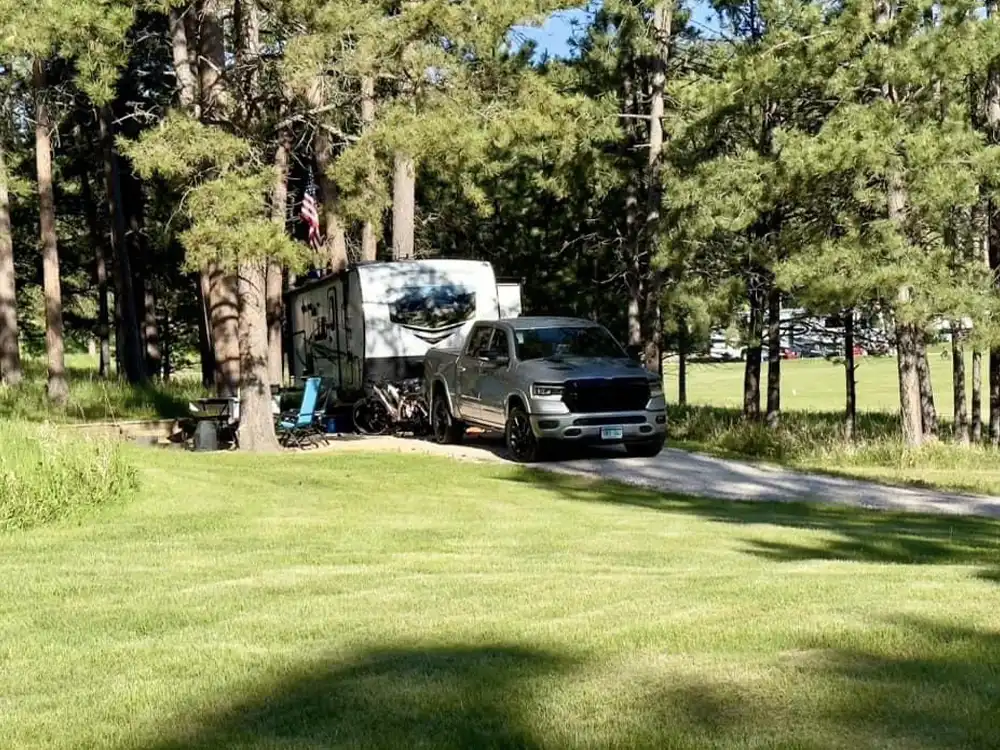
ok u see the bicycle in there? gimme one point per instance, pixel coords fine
(390, 407)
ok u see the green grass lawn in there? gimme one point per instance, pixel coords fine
(354, 601)
(92, 399)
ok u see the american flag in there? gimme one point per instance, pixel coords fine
(310, 214)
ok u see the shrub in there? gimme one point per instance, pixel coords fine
(46, 476)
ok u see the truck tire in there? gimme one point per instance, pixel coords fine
(522, 444)
(445, 428)
(645, 449)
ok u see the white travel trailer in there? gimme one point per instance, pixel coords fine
(375, 321)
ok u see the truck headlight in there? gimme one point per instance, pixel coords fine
(655, 390)
(543, 390)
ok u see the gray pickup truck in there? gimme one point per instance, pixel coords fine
(545, 381)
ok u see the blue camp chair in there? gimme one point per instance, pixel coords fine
(298, 429)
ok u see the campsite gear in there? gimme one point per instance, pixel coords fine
(390, 407)
(206, 436)
(302, 428)
(220, 416)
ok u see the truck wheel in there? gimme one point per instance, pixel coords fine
(446, 430)
(645, 449)
(522, 445)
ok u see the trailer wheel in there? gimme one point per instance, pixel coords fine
(447, 430)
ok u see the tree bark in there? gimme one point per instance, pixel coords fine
(151, 326)
(751, 370)
(961, 416)
(214, 96)
(653, 329)
(404, 198)
(909, 384)
(928, 414)
(992, 102)
(100, 276)
(773, 356)
(185, 70)
(976, 400)
(128, 341)
(850, 369)
(58, 387)
(143, 271)
(682, 359)
(331, 222)
(994, 388)
(205, 330)
(256, 430)
(275, 281)
(369, 241)
(224, 316)
(10, 352)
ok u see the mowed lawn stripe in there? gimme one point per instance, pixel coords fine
(378, 601)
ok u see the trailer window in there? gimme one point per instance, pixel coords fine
(433, 307)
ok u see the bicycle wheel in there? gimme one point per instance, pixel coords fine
(371, 417)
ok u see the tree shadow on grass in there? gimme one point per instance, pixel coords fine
(843, 533)
(929, 687)
(451, 697)
(937, 688)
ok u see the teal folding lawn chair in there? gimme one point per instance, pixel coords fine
(298, 429)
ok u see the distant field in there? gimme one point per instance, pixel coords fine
(815, 384)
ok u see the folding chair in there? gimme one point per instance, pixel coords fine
(296, 429)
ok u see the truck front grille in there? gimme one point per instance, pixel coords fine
(604, 395)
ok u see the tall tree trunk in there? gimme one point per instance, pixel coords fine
(976, 400)
(961, 416)
(223, 299)
(100, 275)
(993, 211)
(128, 340)
(994, 388)
(369, 241)
(168, 347)
(332, 223)
(682, 360)
(907, 335)
(151, 326)
(10, 352)
(185, 60)
(850, 369)
(773, 356)
(404, 199)
(223, 314)
(256, 431)
(204, 285)
(58, 388)
(751, 370)
(652, 324)
(143, 270)
(928, 414)
(909, 383)
(214, 98)
(275, 281)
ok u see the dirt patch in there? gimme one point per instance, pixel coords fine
(473, 448)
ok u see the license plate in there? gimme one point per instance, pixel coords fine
(612, 433)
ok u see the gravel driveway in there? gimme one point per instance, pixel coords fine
(694, 474)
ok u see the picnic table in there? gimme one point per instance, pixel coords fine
(217, 420)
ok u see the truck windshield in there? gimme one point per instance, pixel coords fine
(569, 341)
